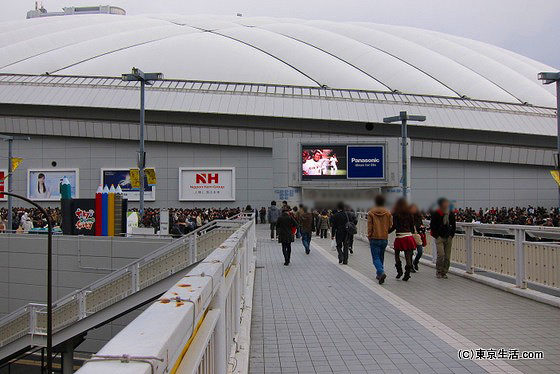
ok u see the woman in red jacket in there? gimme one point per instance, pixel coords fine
(403, 224)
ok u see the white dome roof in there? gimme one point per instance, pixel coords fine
(361, 56)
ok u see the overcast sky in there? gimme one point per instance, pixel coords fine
(528, 27)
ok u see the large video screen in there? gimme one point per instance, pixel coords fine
(323, 162)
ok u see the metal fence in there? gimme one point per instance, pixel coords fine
(140, 274)
(501, 249)
(193, 326)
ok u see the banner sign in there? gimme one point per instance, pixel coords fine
(123, 178)
(366, 162)
(44, 184)
(3, 184)
(207, 184)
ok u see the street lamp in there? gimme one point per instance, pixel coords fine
(548, 78)
(403, 117)
(10, 139)
(145, 79)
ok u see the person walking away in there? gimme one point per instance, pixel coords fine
(420, 230)
(403, 224)
(307, 226)
(262, 214)
(273, 214)
(380, 222)
(294, 214)
(442, 228)
(284, 226)
(298, 212)
(353, 218)
(324, 224)
(317, 218)
(339, 221)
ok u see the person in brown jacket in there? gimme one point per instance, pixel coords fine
(380, 221)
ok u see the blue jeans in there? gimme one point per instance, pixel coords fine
(377, 247)
(306, 240)
(419, 252)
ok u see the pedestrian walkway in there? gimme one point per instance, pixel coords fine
(316, 316)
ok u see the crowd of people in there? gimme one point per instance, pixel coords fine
(25, 219)
(181, 220)
(532, 216)
(288, 223)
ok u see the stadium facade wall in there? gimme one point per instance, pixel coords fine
(469, 182)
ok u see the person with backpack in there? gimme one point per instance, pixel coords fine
(273, 214)
(342, 227)
(380, 221)
(443, 228)
(403, 224)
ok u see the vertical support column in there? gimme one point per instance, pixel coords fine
(141, 153)
(520, 280)
(469, 249)
(10, 186)
(135, 277)
(68, 358)
(404, 135)
(220, 334)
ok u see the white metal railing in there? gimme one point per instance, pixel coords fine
(513, 256)
(193, 326)
(140, 274)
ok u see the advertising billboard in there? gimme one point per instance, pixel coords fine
(3, 184)
(121, 177)
(207, 184)
(366, 161)
(44, 185)
(323, 162)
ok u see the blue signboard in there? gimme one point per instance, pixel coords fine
(366, 162)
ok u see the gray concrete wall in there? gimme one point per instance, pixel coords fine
(482, 184)
(78, 261)
(252, 166)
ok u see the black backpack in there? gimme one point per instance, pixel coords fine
(350, 226)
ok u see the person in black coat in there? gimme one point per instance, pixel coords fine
(338, 222)
(284, 228)
(443, 227)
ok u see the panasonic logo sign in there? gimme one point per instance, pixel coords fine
(364, 160)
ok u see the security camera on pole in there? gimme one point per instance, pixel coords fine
(145, 79)
(403, 117)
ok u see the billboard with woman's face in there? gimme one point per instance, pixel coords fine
(44, 185)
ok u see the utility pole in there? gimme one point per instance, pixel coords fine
(403, 117)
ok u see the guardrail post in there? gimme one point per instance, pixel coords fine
(192, 248)
(32, 320)
(469, 249)
(81, 296)
(135, 277)
(220, 335)
(520, 280)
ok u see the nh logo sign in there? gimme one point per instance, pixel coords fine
(206, 178)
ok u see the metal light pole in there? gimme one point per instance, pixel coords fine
(403, 117)
(10, 139)
(145, 79)
(49, 278)
(548, 78)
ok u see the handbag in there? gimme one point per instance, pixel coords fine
(417, 237)
(350, 226)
